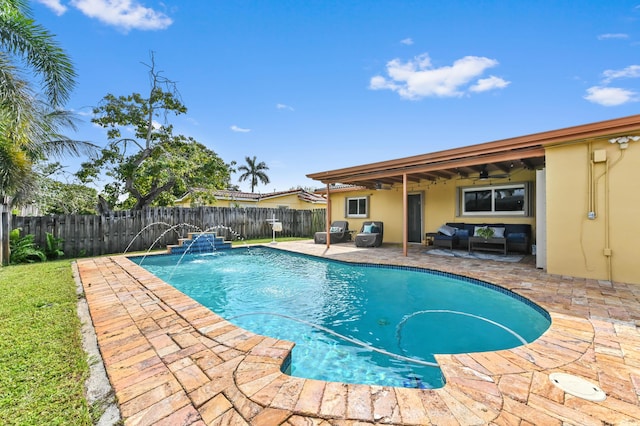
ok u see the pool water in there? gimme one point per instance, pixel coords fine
(366, 324)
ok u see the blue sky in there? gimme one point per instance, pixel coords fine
(308, 86)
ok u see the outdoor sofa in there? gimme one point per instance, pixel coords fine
(454, 235)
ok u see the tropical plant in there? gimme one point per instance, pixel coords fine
(23, 249)
(53, 248)
(22, 38)
(253, 171)
(30, 126)
(154, 166)
(485, 232)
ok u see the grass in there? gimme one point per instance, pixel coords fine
(42, 364)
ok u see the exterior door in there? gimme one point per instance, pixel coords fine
(414, 205)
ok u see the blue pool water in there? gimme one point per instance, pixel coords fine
(365, 324)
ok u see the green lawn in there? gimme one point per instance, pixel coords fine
(42, 364)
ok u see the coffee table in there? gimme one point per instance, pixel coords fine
(488, 244)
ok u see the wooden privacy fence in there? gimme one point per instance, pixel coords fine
(140, 230)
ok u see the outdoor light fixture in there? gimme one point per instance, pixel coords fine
(623, 141)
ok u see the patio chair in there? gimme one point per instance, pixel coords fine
(338, 233)
(370, 235)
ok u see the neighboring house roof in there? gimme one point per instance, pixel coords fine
(527, 151)
(340, 188)
(256, 196)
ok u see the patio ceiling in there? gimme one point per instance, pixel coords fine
(493, 158)
(499, 164)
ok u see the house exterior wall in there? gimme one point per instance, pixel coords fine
(384, 206)
(579, 246)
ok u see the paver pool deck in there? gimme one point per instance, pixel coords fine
(171, 361)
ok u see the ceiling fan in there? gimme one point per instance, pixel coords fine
(380, 186)
(484, 175)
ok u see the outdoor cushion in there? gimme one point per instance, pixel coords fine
(367, 229)
(447, 230)
(335, 229)
(462, 234)
(520, 237)
(498, 232)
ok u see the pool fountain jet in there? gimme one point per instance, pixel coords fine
(198, 241)
(170, 228)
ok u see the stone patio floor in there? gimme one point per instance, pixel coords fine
(173, 362)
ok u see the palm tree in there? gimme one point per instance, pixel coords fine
(29, 126)
(254, 171)
(21, 37)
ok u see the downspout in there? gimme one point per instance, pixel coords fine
(591, 209)
(405, 216)
(328, 217)
(607, 230)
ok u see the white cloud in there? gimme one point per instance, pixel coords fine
(612, 36)
(283, 106)
(55, 5)
(632, 71)
(125, 14)
(239, 129)
(613, 96)
(610, 96)
(417, 78)
(408, 41)
(486, 84)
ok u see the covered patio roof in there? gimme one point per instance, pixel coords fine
(500, 156)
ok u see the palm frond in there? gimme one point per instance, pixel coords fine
(21, 36)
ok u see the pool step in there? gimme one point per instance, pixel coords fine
(199, 242)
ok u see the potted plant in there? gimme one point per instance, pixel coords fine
(485, 232)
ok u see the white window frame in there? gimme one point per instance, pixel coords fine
(493, 188)
(364, 214)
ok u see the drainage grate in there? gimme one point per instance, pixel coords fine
(577, 386)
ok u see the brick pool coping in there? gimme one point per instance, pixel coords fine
(172, 361)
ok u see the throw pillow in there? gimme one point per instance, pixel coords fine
(447, 230)
(335, 229)
(367, 229)
(498, 232)
(375, 229)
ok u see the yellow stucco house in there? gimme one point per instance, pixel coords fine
(298, 199)
(578, 188)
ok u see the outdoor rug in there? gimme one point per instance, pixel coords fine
(475, 255)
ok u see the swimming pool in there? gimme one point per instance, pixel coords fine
(367, 324)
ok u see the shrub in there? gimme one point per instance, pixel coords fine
(23, 249)
(53, 249)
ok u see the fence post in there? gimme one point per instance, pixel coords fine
(5, 225)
